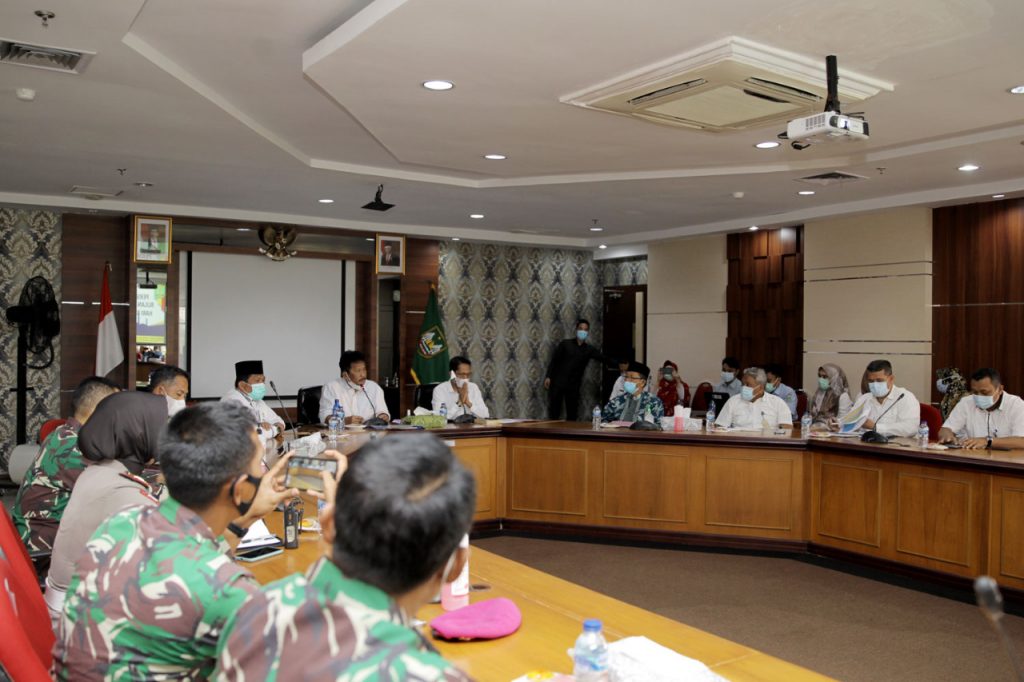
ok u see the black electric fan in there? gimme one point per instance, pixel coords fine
(38, 318)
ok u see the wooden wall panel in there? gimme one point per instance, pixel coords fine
(751, 492)
(422, 267)
(549, 479)
(978, 288)
(89, 242)
(366, 315)
(646, 485)
(764, 299)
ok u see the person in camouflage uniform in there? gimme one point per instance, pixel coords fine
(45, 492)
(403, 505)
(156, 584)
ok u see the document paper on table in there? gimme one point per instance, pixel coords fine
(638, 659)
(258, 535)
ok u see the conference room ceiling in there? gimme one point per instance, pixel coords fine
(257, 109)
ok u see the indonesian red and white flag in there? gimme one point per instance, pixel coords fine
(109, 353)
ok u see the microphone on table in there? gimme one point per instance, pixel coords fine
(874, 436)
(990, 601)
(295, 433)
(373, 421)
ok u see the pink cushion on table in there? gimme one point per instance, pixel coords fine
(488, 619)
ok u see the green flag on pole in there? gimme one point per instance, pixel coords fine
(430, 364)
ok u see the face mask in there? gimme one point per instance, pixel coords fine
(984, 402)
(747, 393)
(667, 375)
(727, 377)
(461, 382)
(243, 507)
(258, 391)
(941, 386)
(878, 388)
(174, 406)
(629, 387)
(770, 388)
(582, 334)
(823, 383)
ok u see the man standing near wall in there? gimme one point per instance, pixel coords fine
(565, 372)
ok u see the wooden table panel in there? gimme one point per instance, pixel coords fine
(848, 502)
(647, 486)
(1006, 551)
(549, 479)
(933, 518)
(751, 492)
(479, 455)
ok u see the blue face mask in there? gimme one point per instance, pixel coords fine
(770, 388)
(879, 389)
(984, 402)
(258, 391)
(582, 334)
(629, 387)
(823, 383)
(747, 393)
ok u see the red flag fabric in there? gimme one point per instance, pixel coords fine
(109, 353)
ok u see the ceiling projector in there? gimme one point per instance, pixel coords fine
(831, 124)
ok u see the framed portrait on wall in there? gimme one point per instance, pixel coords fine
(390, 256)
(152, 240)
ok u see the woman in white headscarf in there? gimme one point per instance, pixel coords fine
(832, 400)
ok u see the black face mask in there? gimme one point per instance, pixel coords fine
(243, 508)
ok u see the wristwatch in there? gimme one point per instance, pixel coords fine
(237, 530)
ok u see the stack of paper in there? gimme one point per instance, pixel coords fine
(258, 535)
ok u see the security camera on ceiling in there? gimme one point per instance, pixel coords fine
(830, 125)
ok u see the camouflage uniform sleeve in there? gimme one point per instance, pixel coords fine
(45, 492)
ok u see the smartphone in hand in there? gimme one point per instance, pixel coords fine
(304, 472)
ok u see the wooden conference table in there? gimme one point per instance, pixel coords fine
(553, 612)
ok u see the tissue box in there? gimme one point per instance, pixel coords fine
(693, 424)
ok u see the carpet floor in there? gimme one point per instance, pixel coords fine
(841, 625)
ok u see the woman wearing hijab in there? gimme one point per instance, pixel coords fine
(671, 388)
(951, 385)
(120, 440)
(832, 399)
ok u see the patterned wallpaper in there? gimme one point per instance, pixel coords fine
(505, 307)
(30, 245)
(622, 272)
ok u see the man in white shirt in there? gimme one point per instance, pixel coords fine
(731, 382)
(361, 398)
(250, 388)
(460, 395)
(989, 416)
(753, 409)
(891, 410)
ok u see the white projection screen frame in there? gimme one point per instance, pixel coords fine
(289, 314)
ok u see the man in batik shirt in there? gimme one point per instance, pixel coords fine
(156, 584)
(401, 509)
(45, 492)
(636, 401)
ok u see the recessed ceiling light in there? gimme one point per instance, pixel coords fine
(476, 216)
(495, 157)
(438, 86)
(143, 184)
(770, 144)
(456, 239)
(806, 192)
(753, 228)
(597, 229)
(603, 246)
(244, 229)
(1017, 90)
(326, 201)
(998, 196)
(967, 167)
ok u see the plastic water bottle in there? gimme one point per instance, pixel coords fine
(443, 411)
(922, 435)
(595, 420)
(336, 422)
(805, 424)
(648, 416)
(590, 654)
(709, 418)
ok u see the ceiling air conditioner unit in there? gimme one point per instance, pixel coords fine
(732, 84)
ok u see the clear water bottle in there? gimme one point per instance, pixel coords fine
(590, 654)
(805, 424)
(443, 411)
(648, 415)
(922, 435)
(709, 418)
(595, 418)
(336, 422)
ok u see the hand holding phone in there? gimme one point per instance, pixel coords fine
(306, 473)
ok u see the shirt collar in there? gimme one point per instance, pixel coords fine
(73, 424)
(327, 578)
(185, 520)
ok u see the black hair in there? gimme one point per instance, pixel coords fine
(880, 366)
(773, 368)
(202, 448)
(90, 391)
(349, 358)
(987, 373)
(582, 320)
(458, 360)
(402, 507)
(166, 375)
(730, 361)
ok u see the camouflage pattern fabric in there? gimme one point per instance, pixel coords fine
(324, 626)
(45, 492)
(150, 599)
(613, 411)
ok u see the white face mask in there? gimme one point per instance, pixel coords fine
(941, 386)
(174, 406)
(461, 382)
